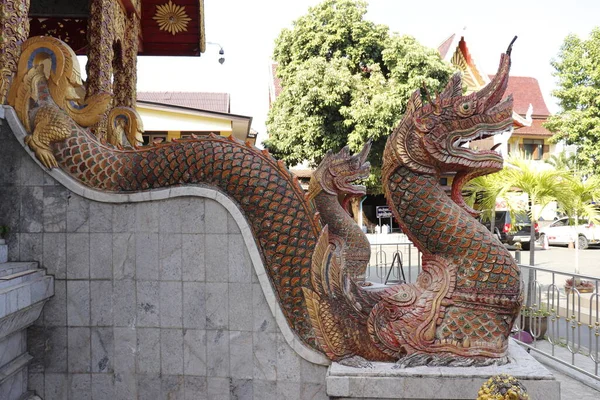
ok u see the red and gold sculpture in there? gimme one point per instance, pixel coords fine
(462, 307)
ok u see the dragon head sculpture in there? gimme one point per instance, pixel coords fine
(431, 138)
(337, 173)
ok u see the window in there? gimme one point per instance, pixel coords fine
(154, 136)
(533, 148)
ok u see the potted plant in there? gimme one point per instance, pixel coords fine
(3, 246)
(534, 320)
(581, 285)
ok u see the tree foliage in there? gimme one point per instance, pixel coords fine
(577, 68)
(344, 80)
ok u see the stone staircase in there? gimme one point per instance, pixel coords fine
(24, 289)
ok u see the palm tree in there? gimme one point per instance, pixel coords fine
(483, 193)
(541, 183)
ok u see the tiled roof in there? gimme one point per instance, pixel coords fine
(445, 46)
(302, 173)
(536, 129)
(526, 90)
(216, 102)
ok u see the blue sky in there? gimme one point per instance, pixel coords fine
(247, 29)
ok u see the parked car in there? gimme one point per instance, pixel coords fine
(561, 233)
(511, 232)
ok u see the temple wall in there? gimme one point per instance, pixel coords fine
(153, 299)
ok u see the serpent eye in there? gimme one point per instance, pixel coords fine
(465, 109)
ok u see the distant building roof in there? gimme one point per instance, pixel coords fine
(526, 90)
(446, 46)
(217, 102)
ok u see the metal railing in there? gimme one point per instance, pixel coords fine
(558, 320)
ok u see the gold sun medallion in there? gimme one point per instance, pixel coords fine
(171, 18)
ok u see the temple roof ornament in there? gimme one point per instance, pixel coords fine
(171, 18)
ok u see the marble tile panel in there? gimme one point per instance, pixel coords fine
(30, 247)
(10, 206)
(313, 391)
(55, 209)
(123, 218)
(171, 351)
(194, 352)
(217, 258)
(125, 350)
(288, 390)
(35, 383)
(146, 256)
(172, 387)
(171, 306)
(54, 350)
(36, 346)
(55, 310)
(80, 386)
(192, 214)
(55, 254)
(23, 297)
(79, 350)
(100, 217)
(124, 302)
(194, 305)
(170, 261)
(217, 305)
(288, 362)
(146, 217)
(32, 207)
(195, 387)
(14, 243)
(241, 389)
(78, 303)
(29, 173)
(240, 355)
(240, 267)
(101, 304)
(265, 390)
(78, 213)
(125, 386)
(148, 303)
(232, 225)
(123, 255)
(102, 350)
(240, 307)
(3, 311)
(193, 257)
(264, 321)
(217, 353)
(312, 373)
(218, 388)
(101, 257)
(216, 217)
(148, 386)
(56, 386)
(169, 216)
(78, 255)
(103, 387)
(12, 301)
(265, 356)
(148, 351)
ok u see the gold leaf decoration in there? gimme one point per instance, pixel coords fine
(171, 18)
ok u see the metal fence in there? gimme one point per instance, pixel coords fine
(558, 320)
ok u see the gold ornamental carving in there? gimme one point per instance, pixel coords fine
(14, 29)
(171, 18)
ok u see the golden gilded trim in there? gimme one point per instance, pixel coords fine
(171, 18)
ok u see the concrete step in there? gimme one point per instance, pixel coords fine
(10, 268)
(21, 277)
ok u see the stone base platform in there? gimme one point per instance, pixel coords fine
(385, 382)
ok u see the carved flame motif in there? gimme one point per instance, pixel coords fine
(171, 18)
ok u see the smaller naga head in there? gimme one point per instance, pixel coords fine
(337, 173)
(432, 138)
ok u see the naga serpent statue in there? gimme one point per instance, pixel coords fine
(462, 307)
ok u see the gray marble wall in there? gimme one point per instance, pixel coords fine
(154, 300)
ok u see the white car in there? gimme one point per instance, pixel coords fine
(560, 232)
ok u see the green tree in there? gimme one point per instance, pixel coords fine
(577, 68)
(344, 80)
